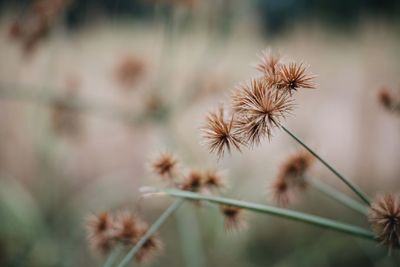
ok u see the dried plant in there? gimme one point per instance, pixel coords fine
(259, 108)
(233, 217)
(384, 217)
(165, 165)
(194, 181)
(100, 232)
(213, 180)
(219, 133)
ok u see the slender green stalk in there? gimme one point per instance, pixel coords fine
(352, 186)
(112, 257)
(339, 196)
(279, 212)
(153, 228)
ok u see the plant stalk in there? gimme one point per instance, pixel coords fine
(352, 186)
(279, 212)
(153, 228)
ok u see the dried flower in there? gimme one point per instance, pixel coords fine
(233, 217)
(269, 67)
(293, 76)
(212, 180)
(165, 166)
(193, 181)
(150, 248)
(99, 232)
(130, 70)
(259, 108)
(384, 217)
(127, 227)
(220, 134)
(291, 177)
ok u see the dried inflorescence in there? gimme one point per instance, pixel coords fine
(384, 218)
(258, 106)
(37, 24)
(233, 217)
(213, 180)
(388, 100)
(105, 232)
(259, 109)
(130, 70)
(165, 165)
(291, 177)
(193, 182)
(219, 133)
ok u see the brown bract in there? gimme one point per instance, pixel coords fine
(259, 108)
(384, 218)
(219, 133)
(99, 232)
(294, 76)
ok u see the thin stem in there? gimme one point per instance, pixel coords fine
(153, 228)
(279, 212)
(352, 186)
(112, 257)
(339, 196)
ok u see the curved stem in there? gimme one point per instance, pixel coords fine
(339, 196)
(279, 212)
(153, 228)
(352, 186)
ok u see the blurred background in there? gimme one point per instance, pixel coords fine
(91, 90)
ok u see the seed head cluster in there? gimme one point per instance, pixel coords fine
(106, 231)
(258, 106)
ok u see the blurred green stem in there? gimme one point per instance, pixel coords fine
(279, 212)
(153, 228)
(352, 186)
(339, 196)
(112, 257)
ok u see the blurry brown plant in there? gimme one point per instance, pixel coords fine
(150, 248)
(233, 217)
(388, 101)
(259, 108)
(219, 133)
(99, 232)
(193, 182)
(384, 217)
(294, 76)
(165, 166)
(130, 70)
(291, 176)
(37, 24)
(127, 227)
(213, 180)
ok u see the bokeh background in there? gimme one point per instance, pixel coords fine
(111, 83)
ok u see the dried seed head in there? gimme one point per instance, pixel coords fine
(219, 133)
(150, 248)
(194, 181)
(385, 98)
(165, 166)
(130, 70)
(127, 227)
(269, 67)
(384, 218)
(233, 217)
(294, 76)
(212, 180)
(99, 232)
(291, 177)
(259, 109)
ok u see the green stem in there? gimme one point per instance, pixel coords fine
(339, 196)
(153, 228)
(112, 257)
(352, 186)
(279, 212)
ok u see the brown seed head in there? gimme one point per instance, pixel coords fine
(233, 217)
(194, 181)
(281, 192)
(294, 76)
(99, 232)
(130, 70)
(384, 218)
(259, 109)
(296, 166)
(127, 227)
(212, 180)
(269, 67)
(165, 166)
(150, 248)
(219, 133)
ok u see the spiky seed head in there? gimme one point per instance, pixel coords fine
(220, 134)
(127, 227)
(384, 217)
(165, 166)
(294, 76)
(233, 217)
(150, 248)
(259, 109)
(99, 232)
(213, 180)
(193, 182)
